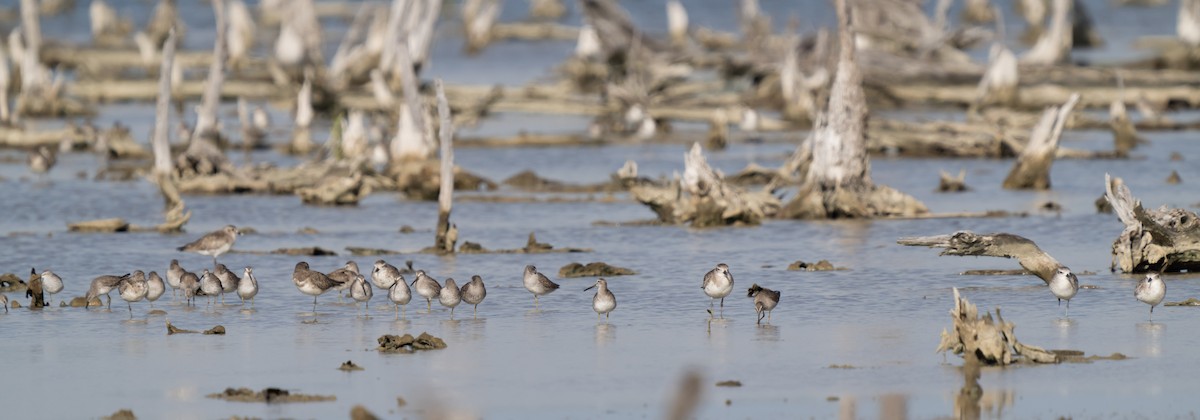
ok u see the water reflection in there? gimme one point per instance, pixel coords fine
(973, 401)
(1150, 334)
(766, 332)
(605, 333)
(401, 325)
(893, 407)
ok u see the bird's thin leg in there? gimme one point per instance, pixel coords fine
(768, 317)
(397, 311)
(476, 315)
(109, 301)
(130, 305)
(606, 314)
(722, 303)
(429, 305)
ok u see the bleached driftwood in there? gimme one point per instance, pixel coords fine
(986, 340)
(1125, 137)
(838, 181)
(335, 191)
(1187, 26)
(206, 115)
(160, 143)
(446, 233)
(704, 199)
(677, 23)
(978, 11)
(478, 17)
(966, 243)
(1054, 45)
(1032, 170)
(1153, 240)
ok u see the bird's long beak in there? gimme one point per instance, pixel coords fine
(413, 282)
(590, 288)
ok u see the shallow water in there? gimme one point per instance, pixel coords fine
(882, 317)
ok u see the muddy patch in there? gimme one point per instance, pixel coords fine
(594, 269)
(122, 414)
(361, 413)
(1188, 302)
(268, 395)
(407, 344)
(730, 384)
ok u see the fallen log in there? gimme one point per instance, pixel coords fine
(1005, 245)
(1153, 240)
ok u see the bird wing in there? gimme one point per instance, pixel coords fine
(546, 281)
(709, 277)
(341, 275)
(1074, 280)
(210, 241)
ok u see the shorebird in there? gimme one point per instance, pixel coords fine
(473, 292)
(399, 294)
(229, 281)
(311, 282)
(765, 301)
(154, 288)
(384, 275)
(189, 283)
(174, 274)
(247, 287)
(133, 289)
(427, 287)
(537, 283)
(1064, 285)
(102, 286)
(210, 285)
(361, 291)
(51, 283)
(1151, 291)
(450, 296)
(604, 301)
(718, 283)
(214, 244)
(4, 301)
(41, 160)
(344, 277)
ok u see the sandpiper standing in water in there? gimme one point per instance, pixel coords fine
(133, 289)
(210, 285)
(428, 288)
(537, 283)
(450, 296)
(399, 294)
(102, 286)
(361, 291)
(718, 283)
(4, 302)
(1151, 291)
(229, 281)
(604, 301)
(189, 283)
(51, 283)
(154, 288)
(213, 244)
(174, 275)
(765, 301)
(311, 282)
(1064, 285)
(473, 293)
(248, 287)
(384, 275)
(344, 277)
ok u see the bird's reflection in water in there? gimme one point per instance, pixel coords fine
(766, 332)
(1150, 335)
(972, 401)
(605, 333)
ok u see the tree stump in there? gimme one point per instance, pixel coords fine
(1032, 170)
(1153, 240)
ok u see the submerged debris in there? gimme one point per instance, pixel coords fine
(1174, 178)
(268, 395)
(730, 383)
(407, 344)
(312, 251)
(10, 283)
(1188, 302)
(595, 269)
(949, 183)
(99, 225)
(122, 414)
(349, 366)
(171, 329)
(823, 265)
(988, 341)
(361, 413)
(217, 330)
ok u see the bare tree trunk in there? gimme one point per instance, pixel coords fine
(411, 142)
(478, 17)
(446, 234)
(162, 110)
(206, 116)
(1054, 46)
(1032, 170)
(1188, 24)
(966, 243)
(838, 182)
(999, 83)
(1125, 137)
(677, 23)
(35, 79)
(5, 76)
(1153, 240)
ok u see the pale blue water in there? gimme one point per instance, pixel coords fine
(882, 316)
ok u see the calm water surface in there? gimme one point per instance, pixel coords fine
(882, 316)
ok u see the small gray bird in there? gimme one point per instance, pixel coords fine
(248, 287)
(537, 283)
(189, 283)
(399, 294)
(210, 285)
(102, 286)
(215, 243)
(604, 301)
(361, 291)
(765, 300)
(174, 274)
(310, 282)
(344, 276)
(427, 287)
(1064, 285)
(449, 296)
(1151, 291)
(384, 275)
(473, 292)
(718, 283)
(4, 302)
(51, 283)
(155, 287)
(133, 289)
(229, 281)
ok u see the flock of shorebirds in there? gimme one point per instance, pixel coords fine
(138, 286)
(1151, 290)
